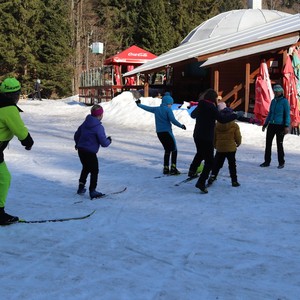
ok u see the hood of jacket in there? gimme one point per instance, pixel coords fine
(91, 122)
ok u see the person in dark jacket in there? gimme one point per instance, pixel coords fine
(37, 90)
(89, 136)
(206, 114)
(11, 125)
(278, 123)
(164, 118)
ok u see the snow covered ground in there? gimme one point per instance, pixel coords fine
(156, 240)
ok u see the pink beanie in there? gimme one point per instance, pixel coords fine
(97, 112)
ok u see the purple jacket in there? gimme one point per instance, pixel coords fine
(90, 135)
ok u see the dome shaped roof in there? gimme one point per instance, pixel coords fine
(231, 22)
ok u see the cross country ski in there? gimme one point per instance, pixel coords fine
(56, 220)
(105, 195)
(186, 180)
(168, 175)
(112, 193)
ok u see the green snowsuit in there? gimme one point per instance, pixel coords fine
(11, 125)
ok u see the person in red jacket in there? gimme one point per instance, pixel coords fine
(11, 125)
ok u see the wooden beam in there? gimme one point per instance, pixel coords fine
(235, 103)
(233, 92)
(146, 85)
(216, 80)
(247, 87)
(284, 57)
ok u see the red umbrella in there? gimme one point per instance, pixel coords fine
(263, 93)
(290, 89)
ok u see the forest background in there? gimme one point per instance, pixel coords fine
(50, 39)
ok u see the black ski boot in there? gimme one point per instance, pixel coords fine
(174, 170)
(95, 194)
(166, 170)
(81, 189)
(6, 219)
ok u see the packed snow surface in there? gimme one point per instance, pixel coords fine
(155, 241)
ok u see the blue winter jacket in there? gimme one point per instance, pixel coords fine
(163, 117)
(90, 135)
(279, 112)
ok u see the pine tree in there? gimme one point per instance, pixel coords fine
(17, 38)
(154, 32)
(54, 49)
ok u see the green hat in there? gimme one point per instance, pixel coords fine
(10, 85)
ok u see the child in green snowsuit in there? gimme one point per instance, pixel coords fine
(11, 125)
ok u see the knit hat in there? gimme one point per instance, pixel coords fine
(96, 110)
(167, 99)
(10, 85)
(278, 88)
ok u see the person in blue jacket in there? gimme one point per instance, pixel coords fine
(89, 136)
(164, 118)
(277, 123)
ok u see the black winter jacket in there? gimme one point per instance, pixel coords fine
(206, 114)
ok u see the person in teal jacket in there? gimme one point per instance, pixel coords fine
(164, 118)
(11, 125)
(278, 123)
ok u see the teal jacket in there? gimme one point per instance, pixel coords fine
(279, 112)
(163, 117)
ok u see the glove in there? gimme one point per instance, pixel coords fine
(27, 142)
(286, 130)
(263, 128)
(183, 127)
(109, 138)
(138, 101)
(76, 147)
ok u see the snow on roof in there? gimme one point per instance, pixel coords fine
(231, 22)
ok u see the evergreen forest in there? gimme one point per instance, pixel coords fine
(51, 39)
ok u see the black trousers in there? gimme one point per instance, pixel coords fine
(37, 94)
(169, 145)
(205, 151)
(90, 166)
(272, 130)
(219, 162)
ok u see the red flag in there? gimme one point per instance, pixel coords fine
(290, 91)
(263, 93)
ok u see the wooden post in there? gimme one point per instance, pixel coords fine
(247, 87)
(216, 80)
(284, 58)
(146, 86)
